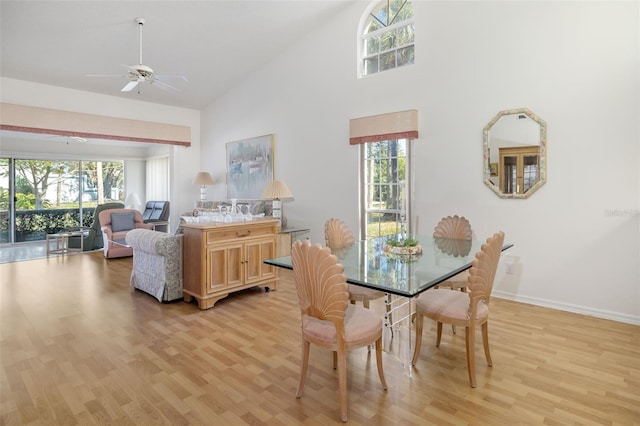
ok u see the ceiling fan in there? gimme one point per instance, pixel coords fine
(137, 74)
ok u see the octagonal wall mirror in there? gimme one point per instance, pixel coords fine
(515, 153)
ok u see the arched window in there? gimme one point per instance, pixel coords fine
(386, 37)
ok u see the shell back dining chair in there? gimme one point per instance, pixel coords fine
(454, 228)
(461, 308)
(328, 320)
(454, 231)
(337, 235)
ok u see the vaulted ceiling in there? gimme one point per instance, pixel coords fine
(215, 44)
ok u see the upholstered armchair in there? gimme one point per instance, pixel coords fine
(157, 263)
(93, 235)
(115, 224)
(157, 214)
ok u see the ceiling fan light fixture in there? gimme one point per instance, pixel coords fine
(140, 73)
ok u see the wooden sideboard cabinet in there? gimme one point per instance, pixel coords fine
(220, 258)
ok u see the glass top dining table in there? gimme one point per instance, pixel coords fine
(367, 264)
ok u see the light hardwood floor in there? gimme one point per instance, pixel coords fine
(79, 346)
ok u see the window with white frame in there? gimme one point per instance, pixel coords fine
(384, 187)
(385, 170)
(387, 37)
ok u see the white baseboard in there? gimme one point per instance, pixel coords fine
(598, 313)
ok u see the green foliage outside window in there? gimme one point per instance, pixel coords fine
(48, 194)
(33, 225)
(385, 170)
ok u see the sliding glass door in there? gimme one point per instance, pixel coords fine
(5, 201)
(53, 195)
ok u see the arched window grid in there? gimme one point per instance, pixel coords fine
(387, 47)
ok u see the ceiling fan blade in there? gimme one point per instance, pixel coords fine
(68, 138)
(105, 75)
(130, 86)
(164, 86)
(166, 77)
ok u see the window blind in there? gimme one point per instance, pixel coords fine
(157, 179)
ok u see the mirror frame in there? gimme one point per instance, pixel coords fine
(542, 153)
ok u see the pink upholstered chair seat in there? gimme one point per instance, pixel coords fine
(359, 325)
(453, 305)
(357, 292)
(461, 280)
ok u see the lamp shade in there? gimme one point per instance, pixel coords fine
(132, 199)
(203, 178)
(277, 190)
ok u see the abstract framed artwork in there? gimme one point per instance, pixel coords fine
(249, 167)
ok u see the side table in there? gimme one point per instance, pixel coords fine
(159, 225)
(286, 237)
(61, 243)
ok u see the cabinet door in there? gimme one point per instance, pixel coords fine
(530, 166)
(256, 252)
(518, 169)
(509, 175)
(224, 267)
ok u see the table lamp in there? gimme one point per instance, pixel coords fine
(203, 179)
(277, 191)
(132, 201)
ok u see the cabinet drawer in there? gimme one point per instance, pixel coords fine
(240, 232)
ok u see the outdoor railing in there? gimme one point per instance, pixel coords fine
(34, 225)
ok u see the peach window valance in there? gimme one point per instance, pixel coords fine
(376, 128)
(22, 118)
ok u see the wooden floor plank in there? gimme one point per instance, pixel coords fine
(79, 346)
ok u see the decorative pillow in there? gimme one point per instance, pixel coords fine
(122, 221)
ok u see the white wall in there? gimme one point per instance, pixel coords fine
(575, 64)
(183, 160)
